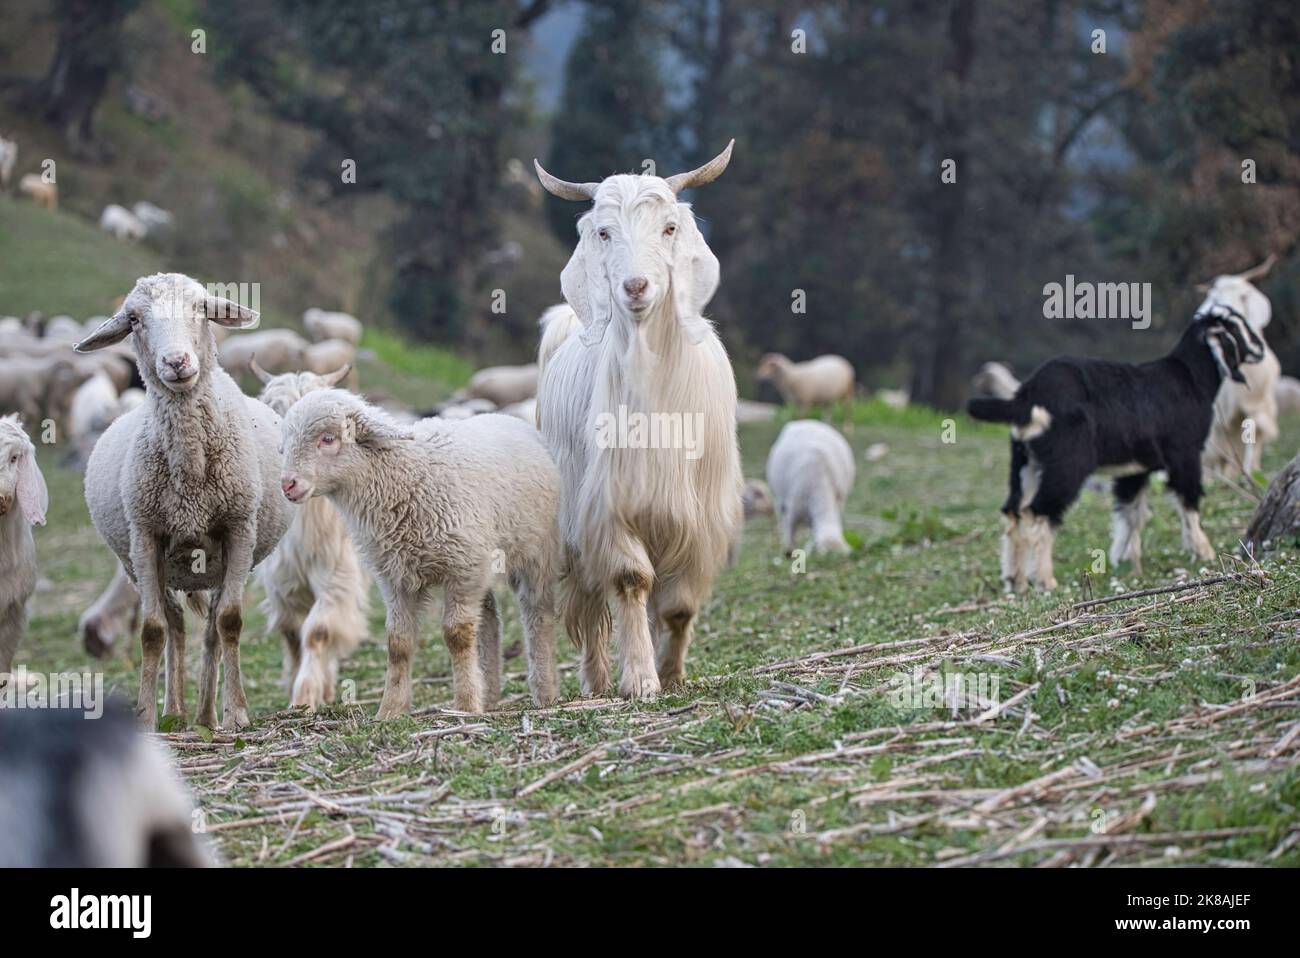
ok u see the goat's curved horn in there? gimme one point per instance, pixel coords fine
(1260, 271)
(258, 371)
(338, 375)
(563, 188)
(707, 173)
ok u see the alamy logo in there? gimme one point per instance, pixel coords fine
(21, 689)
(955, 690)
(653, 430)
(75, 911)
(1098, 301)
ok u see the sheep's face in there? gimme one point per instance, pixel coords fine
(21, 484)
(167, 316)
(1243, 296)
(770, 366)
(327, 436)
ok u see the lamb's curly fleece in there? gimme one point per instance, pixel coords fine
(183, 472)
(23, 499)
(317, 595)
(440, 503)
(810, 469)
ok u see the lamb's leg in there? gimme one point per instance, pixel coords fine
(461, 610)
(1013, 558)
(290, 627)
(1129, 517)
(403, 626)
(174, 689)
(239, 545)
(789, 526)
(1185, 483)
(147, 558)
(207, 713)
(639, 679)
(311, 682)
(537, 607)
(1053, 491)
(13, 623)
(489, 649)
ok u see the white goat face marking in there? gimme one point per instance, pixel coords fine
(1241, 295)
(631, 230)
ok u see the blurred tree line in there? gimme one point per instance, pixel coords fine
(908, 174)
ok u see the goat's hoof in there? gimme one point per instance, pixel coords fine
(673, 679)
(97, 645)
(1048, 585)
(236, 719)
(639, 688)
(148, 717)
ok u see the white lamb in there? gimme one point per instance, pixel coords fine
(121, 223)
(184, 489)
(503, 385)
(277, 350)
(116, 611)
(322, 325)
(821, 381)
(647, 525)
(438, 503)
(317, 595)
(810, 470)
(23, 501)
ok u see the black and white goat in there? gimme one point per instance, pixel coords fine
(1075, 416)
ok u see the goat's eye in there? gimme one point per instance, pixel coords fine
(603, 233)
(670, 229)
(133, 317)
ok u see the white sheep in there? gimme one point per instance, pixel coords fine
(41, 387)
(154, 218)
(821, 381)
(757, 498)
(42, 193)
(63, 329)
(503, 385)
(1287, 394)
(329, 355)
(647, 524)
(994, 380)
(115, 612)
(184, 489)
(94, 406)
(526, 410)
(277, 350)
(8, 157)
(23, 502)
(84, 789)
(1245, 413)
(322, 325)
(317, 596)
(810, 469)
(121, 223)
(439, 503)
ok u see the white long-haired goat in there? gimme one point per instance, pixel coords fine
(647, 518)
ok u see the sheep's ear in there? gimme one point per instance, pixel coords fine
(583, 283)
(366, 430)
(226, 312)
(32, 495)
(113, 330)
(695, 275)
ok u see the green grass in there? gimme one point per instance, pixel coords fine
(1123, 704)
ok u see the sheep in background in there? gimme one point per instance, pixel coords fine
(322, 325)
(1075, 416)
(277, 350)
(503, 385)
(153, 218)
(40, 388)
(1287, 395)
(94, 406)
(63, 329)
(526, 410)
(77, 793)
(756, 498)
(331, 354)
(8, 157)
(821, 381)
(994, 380)
(317, 597)
(115, 612)
(645, 530)
(42, 193)
(183, 489)
(810, 469)
(1227, 449)
(121, 223)
(10, 326)
(23, 502)
(438, 503)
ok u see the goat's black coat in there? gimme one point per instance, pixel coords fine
(1155, 414)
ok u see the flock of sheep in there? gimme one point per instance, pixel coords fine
(193, 484)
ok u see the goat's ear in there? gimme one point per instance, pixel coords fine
(111, 331)
(695, 275)
(226, 312)
(585, 288)
(32, 495)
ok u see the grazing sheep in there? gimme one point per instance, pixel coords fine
(115, 612)
(821, 381)
(756, 497)
(894, 398)
(995, 381)
(322, 325)
(121, 223)
(94, 406)
(646, 525)
(8, 157)
(1076, 416)
(63, 329)
(329, 355)
(1233, 447)
(438, 503)
(23, 501)
(317, 596)
(183, 489)
(277, 350)
(503, 385)
(41, 388)
(78, 793)
(154, 218)
(42, 193)
(10, 326)
(1287, 395)
(810, 469)
(526, 410)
